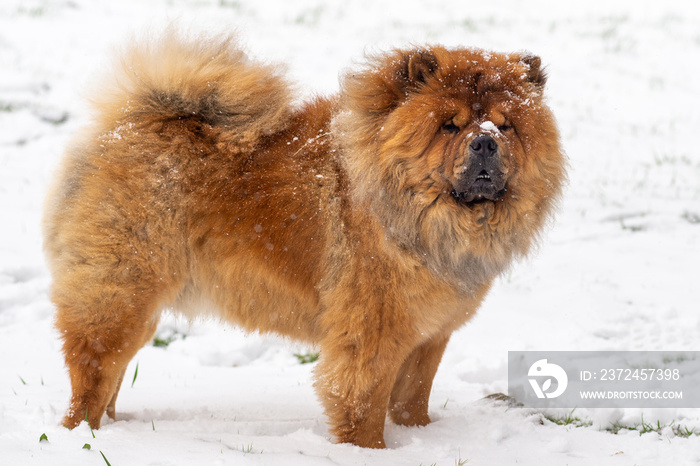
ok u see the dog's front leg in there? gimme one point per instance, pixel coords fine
(362, 352)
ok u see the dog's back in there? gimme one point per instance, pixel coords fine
(172, 124)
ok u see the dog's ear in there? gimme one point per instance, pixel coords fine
(388, 79)
(420, 65)
(534, 74)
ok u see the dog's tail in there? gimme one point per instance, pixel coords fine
(210, 79)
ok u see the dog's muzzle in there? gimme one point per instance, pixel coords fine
(483, 178)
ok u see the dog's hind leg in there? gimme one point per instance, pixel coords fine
(409, 398)
(102, 327)
(111, 406)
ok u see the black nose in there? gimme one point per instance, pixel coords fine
(484, 146)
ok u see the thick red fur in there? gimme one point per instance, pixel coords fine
(201, 186)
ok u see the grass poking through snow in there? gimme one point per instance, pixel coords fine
(307, 358)
(568, 420)
(642, 427)
(105, 458)
(136, 373)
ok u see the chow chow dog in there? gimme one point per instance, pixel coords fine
(370, 223)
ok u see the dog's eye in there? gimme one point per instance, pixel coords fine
(450, 127)
(504, 128)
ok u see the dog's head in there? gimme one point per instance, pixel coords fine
(455, 147)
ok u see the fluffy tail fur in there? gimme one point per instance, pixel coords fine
(210, 79)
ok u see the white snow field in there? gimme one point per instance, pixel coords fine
(618, 270)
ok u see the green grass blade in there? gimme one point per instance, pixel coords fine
(105, 458)
(136, 373)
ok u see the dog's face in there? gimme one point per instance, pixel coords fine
(453, 149)
(463, 125)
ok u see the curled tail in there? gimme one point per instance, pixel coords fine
(210, 79)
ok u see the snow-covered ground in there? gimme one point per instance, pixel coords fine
(619, 270)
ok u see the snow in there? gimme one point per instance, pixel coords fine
(488, 126)
(618, 270)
